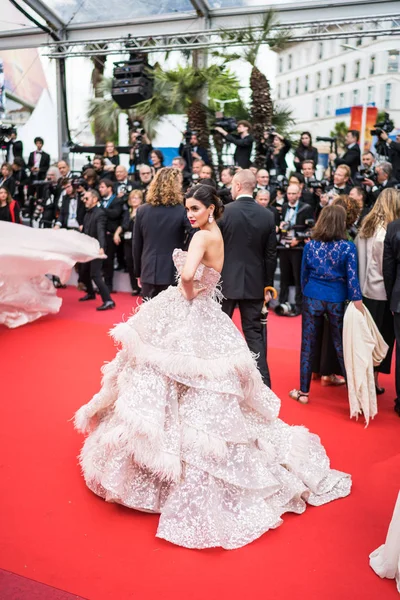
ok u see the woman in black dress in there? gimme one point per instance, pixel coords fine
(305, 151)
(125, 231)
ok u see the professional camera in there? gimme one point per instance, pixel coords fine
(280, 182)
(137, 128)
(269, 135)
(79, 182)
(303, 232)
(387, 126)
(318, 185)
(188, 134)
(227, 123)
(362, 174)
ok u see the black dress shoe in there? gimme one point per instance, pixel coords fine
(87, 297)
(397, 408)
(106, 305)
(379, 390)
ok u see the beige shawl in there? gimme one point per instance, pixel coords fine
(363, 348)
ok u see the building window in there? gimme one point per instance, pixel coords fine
(393, 61)
(297, 85)
(357, 69)
(306, 83)
(371, 94)
(330, 76)
(328, 106)
(318, 80)
(343, 73)
(341, 100)
(388, 93)
(321, 50)
(280, 68)
(372, 62)
(359, 39)
(316, 107)
(279, 91)
(356, 97)
(288, 89)
(290, 61)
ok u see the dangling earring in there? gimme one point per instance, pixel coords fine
(210, 218)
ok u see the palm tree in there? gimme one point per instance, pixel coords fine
(179, 91)
(252, 38)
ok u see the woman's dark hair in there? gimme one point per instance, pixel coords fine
(90, 174)
(159, 154)
(309, 135)
(19, 161)
(331, 224)
(207, 195)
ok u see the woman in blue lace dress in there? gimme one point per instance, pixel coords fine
(328, 278)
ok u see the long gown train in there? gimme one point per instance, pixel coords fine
(184, 426)
(26, 256)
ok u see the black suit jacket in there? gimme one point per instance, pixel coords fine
(64, 211)
(304, 213)
(158, 231)
(114, 214)
(351, 158)
(249, 236)
(18, 149)
(94, 224)
(43, 165)
(391, 265)
(243, 150)
(9, 184)
(390, 184)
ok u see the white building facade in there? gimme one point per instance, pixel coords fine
(321, 80)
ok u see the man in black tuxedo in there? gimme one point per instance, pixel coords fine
(391, 277)
(94, 225)
(39, 161)
(294, 214)
(193, 151)
(14, 148)
(352, 156)
(250, 262)
(113, 208)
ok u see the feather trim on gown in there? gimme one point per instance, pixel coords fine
(184, 426)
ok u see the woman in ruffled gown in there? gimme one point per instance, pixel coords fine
(183, 424)
(26, 256)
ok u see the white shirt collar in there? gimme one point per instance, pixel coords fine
(243, 196)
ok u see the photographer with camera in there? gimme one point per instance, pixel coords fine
(122, 185)
(352, 156)
(305, 151)
(141, 147)
(368, 161)
(393, 152)
(72, 211)
(383, 179)
(276, 155)
(297, 219)
(341, 185)
(243, 142)
(21, 180)
(44, 205)
(197, 165)
(190, 150)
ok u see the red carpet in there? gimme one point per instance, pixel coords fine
(54, 531)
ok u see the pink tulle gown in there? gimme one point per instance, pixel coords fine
(184, 426)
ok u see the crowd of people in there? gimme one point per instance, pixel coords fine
(138, 217)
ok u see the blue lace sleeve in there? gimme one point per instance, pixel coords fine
(305, 272)
(353, 285)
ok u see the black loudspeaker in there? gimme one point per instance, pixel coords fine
(132, 82)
